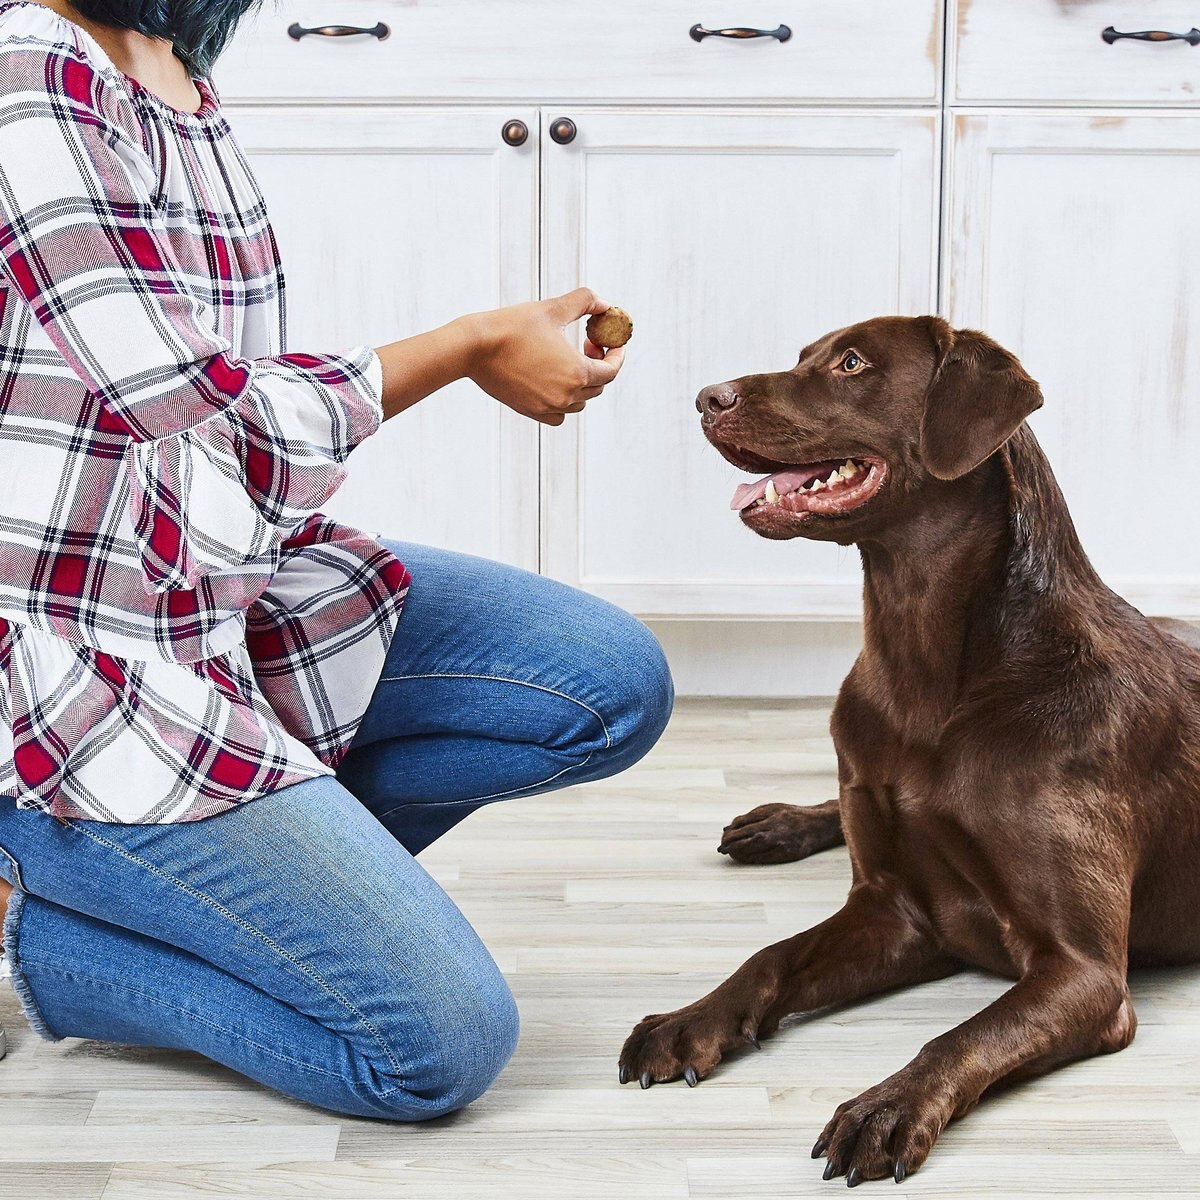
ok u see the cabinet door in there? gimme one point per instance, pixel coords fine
(733, 238)
(1072, 241)
(391, 221)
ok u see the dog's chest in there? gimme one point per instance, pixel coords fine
(903, 827)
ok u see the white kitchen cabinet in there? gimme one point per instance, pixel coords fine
(733, 238)
(740, 196)
(834, 52)
(1025, 52)
(1072, 241)
(390, 223)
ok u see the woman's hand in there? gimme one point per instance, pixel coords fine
(521, 358)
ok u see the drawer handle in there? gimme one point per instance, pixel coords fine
(698, 33)
(1192, 37)
(296, 31)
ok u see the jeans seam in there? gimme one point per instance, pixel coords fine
(257, 933)
(16, 880)
(493, 795)
(72, 973)
(538, 687)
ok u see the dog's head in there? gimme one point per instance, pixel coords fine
(868, 419)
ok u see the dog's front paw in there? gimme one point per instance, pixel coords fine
(781, 833)
(686, 1044)
(888, 1130)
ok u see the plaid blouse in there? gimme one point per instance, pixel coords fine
(180, 629)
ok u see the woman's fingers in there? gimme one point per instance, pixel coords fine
(582, 302)
(604, 370)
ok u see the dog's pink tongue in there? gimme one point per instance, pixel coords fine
(785, 481)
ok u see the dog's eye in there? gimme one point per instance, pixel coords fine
(852, 363)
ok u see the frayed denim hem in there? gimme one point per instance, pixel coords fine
(29, 1006)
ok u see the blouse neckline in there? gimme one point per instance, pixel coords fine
(209, 106)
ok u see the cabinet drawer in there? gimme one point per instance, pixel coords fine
(1009, 51)
(839, 50)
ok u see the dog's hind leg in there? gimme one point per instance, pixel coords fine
(877, 941)
(780, 833)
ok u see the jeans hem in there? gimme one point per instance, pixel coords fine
(11, 944)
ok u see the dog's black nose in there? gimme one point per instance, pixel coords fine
(716, 399)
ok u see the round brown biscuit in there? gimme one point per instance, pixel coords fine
(611, 328)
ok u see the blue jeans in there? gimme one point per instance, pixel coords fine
(296, 939)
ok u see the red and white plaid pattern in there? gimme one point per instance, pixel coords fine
(181, 629)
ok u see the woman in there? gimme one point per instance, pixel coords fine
(222, 739)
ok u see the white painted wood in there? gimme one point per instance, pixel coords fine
(733, 238)
(391, 222)
(1030, 51)
(1072, 241)
(541, 50)
(758, 658)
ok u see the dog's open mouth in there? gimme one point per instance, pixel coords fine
(825, 488)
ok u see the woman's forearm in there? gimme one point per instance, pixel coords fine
(517, 355)
(418, 366)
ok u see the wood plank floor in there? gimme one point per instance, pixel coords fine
(603, 903)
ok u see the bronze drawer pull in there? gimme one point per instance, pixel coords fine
(1192, 37)
(698, 33)
(296, 31)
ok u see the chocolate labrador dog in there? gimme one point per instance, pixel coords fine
(1018, 748)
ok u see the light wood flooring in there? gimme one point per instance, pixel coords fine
(603, 903)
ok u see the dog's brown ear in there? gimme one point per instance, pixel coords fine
(976, 401)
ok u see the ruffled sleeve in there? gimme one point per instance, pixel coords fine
(226, 454)
(228, 490)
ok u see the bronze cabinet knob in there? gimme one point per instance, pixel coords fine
(563, 131)
(515, 133)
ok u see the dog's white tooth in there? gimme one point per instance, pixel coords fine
(816, 487)
(772, 494)
(850, 464)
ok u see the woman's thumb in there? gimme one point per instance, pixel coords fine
(579, 303)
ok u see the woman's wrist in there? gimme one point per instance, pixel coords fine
(418, 366)
(475, 339)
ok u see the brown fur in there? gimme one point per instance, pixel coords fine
(1018, 748)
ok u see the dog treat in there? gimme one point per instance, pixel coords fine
(611, 328)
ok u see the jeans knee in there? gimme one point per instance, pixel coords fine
(477, 1049)
(468, 1039)
(641, 693)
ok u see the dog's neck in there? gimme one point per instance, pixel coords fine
(990, 564)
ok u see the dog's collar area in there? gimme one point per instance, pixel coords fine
(827, 487)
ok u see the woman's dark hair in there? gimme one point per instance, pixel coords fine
(199, 29)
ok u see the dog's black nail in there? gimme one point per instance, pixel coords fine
(899, 1172)
(853, 1179)
(819, 1148)
(752, 1038)
(722, 850)
(690, 1077)
(646, 1080)
(623, 1074)
(830, 1170)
